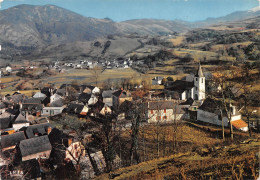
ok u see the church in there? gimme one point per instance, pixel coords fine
(184, 89)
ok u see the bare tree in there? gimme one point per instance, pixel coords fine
(96, 72)
(77, 126)
(225, 89)
(249, 98)
(107, 137)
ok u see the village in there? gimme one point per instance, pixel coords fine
(33, 144)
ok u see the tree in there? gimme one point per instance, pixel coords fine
(136, 115)
(170, 78)
(107, 137)
(225, 90)
(107, 84)
(240, 56)
(249, 98)
(96, 72)
(73, 123)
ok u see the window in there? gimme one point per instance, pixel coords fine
(196, 79)
(202, 80)
(196, 97)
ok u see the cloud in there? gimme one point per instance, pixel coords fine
(1, 2)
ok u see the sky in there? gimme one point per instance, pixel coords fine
(120, 10)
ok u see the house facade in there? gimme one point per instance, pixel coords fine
(163, 111)
(51, 111)
(157, 80)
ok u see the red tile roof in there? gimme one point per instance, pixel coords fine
(239, 124)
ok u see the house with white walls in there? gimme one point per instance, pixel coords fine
(210, 112)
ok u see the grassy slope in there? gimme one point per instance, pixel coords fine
(227, 162)
(201, 156)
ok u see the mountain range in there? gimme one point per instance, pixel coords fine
(26, 28)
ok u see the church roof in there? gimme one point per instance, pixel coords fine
(180, 86)
(199, 72)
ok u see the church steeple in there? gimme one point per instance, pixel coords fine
(199, 72)
(199, 85)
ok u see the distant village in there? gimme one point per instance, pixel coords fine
(29, 138)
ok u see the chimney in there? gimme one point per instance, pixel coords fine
(69, 141)
(49, 130)
(51, 91)
(150, 95)
(233, 110)
(26, 114)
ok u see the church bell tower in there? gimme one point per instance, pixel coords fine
(199, 85)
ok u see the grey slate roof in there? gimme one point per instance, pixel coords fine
(213, 106)
(84, 97)
(32, 101)
(107, 94)
(37, 128)
(2, 105)
(156, 105)
(180, 86)
(57, 103)
(5, 122)
(189, 101)
(39, 95)
(11, 111)
(17, 98)
(121, 93)
(61, 92)
(32, 107)
(20, 119)
(12, 139)
(75, 108)
(160, 105)
(35, 145)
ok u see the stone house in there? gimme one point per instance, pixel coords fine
(79, 109)
(108, 97)
(10, 141)
(163, 111)
(20, 122)
(157, 80)
(210, 112)
(35, 148)
(51, 111)
(38, 130)
(90, 89)
(119, 97)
